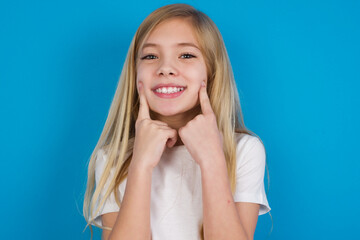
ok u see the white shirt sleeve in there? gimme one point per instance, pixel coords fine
(250, 167)
(110, 204)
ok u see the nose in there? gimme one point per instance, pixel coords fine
(166, 68)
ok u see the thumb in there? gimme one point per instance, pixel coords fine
(172, 140)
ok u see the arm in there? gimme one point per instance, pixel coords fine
(223, 219)
(133, 220)
(248, 213)
(108, 220)
(151, 137)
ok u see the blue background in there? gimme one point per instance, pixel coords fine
(296, 65)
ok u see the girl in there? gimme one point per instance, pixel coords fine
(174, 160)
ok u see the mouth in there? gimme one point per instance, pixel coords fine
(168, 91)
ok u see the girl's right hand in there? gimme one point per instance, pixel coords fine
(151, 136)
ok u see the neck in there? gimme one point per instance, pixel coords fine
(178, 120)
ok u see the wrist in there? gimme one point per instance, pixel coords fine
(139, 166)
(214, 162)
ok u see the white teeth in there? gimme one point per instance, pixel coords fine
(169, 90)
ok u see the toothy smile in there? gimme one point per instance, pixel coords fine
(169, 90)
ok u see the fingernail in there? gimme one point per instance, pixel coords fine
(203, 83)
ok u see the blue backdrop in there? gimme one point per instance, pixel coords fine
(296, 65)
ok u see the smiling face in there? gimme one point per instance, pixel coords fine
(171, 67)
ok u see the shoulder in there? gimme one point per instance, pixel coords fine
(246, 142)
(100, 160)
(103, 152)
(249, 147)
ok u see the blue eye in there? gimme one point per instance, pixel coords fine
(187, 55)
(184, 56)
(150, 56)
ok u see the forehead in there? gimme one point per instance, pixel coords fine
(171, 32)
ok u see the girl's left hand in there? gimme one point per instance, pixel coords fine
(201, 135)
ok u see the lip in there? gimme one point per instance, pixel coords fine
(168, 95)
(167, 85)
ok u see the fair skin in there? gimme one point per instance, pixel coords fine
(176, 121)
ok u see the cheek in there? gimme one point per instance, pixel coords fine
(197, 71)
(141, 76)
(144, 72)
(197, 74)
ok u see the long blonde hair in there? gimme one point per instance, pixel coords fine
(119, 130)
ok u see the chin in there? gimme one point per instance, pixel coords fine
(168, 113)
(172, 109)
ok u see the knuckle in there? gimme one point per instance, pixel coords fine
(199, 117)
(194, 119)
(137, 124)
(141, 122)
(212, 117)
(145, 121)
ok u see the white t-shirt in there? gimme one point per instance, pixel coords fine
(176, 191)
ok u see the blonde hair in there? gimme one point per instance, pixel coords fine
(117, 136)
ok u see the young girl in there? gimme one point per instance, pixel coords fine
(175, 160)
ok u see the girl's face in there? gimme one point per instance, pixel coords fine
(171, 67)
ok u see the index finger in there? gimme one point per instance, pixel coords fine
(204, 100)
(144, 107)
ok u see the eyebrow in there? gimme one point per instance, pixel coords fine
(179, 44)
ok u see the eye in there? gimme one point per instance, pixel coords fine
(187, 55)
(149, 57)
